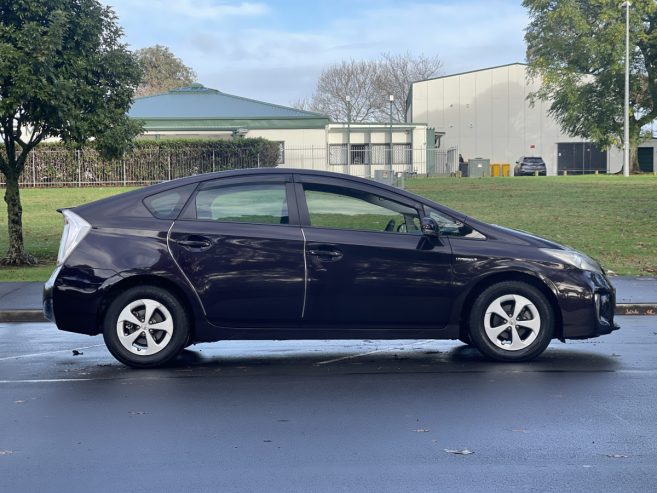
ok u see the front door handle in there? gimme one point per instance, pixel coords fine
(326, 254)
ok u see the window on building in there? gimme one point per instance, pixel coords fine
(335, 207)
(402, 154)
(260, 204)
(380, 153)
(360, 154)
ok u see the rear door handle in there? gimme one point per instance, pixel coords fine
(326, 254)
(195, 242)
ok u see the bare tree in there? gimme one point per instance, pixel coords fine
(348, 79)
(368, 84)
(162, 70)
(398, 72)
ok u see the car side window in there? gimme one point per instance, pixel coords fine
(452, 227)
(168, 204)
(343, 208)
(249, 203)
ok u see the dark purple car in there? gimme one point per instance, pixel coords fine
(299, 254)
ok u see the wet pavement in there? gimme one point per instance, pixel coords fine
(328, 416)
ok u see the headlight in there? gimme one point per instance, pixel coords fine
(75, 229)
(576, 259)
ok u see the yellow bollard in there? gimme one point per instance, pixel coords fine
(565, 172)
(535, 173)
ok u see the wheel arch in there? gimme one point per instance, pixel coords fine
(486, 282)
(114, 289)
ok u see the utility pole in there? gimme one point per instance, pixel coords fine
(626, 138)
(392, 100)
(348, 135)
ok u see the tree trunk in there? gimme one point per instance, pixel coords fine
(16, 255)
(634, 159)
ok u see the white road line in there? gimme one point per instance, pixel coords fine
(51, 380)
(351, 356)
(21, 356)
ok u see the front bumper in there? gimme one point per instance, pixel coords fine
(588, 304)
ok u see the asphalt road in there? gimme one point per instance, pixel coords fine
(328, 416)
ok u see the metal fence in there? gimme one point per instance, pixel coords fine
(377, 161)
(47, 167)
(65, 168)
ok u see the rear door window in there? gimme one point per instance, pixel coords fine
(264, 203)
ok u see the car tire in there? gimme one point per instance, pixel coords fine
(146, 343)
(511, 321)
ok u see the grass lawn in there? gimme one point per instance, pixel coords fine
(612, 218)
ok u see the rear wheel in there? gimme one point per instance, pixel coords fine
(146, 327)
(511, 321)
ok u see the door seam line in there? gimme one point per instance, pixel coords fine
(305, 275)
(182, 271)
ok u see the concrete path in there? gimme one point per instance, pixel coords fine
(21, 301)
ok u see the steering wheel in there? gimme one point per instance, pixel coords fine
(390, 226)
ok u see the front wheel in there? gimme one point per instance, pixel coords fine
(145, 327)
(511, 321)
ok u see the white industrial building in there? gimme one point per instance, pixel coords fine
(485, 114)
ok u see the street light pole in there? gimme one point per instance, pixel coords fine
(392, 100)
(626, 137)
(348, 135)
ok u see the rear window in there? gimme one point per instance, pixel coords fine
(168, 204)
(534, 160)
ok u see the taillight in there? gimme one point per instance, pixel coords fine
(75, 229)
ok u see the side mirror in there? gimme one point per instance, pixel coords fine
(430, 228)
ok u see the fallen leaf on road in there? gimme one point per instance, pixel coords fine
(465, 451)
(6, 452)
(138, 413)
(19, 402)
(520, 430)
(77, 353)
(617, 456)
(421, 430)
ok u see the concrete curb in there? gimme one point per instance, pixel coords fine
(21, 316)
(36, 316)
(636, 309)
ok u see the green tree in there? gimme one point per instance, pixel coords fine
(163, 71)
(576, 48)
(63, 73)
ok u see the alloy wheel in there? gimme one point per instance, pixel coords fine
(512, 322)
(144, 327)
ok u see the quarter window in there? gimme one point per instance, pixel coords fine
(451, 227)
(168, 204)
(258, 204)
(334, 207)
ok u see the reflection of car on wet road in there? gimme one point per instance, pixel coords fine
(298, 254)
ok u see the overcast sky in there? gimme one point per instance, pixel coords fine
(273, 50)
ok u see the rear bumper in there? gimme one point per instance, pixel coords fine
(531, 172)
(48, 305)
